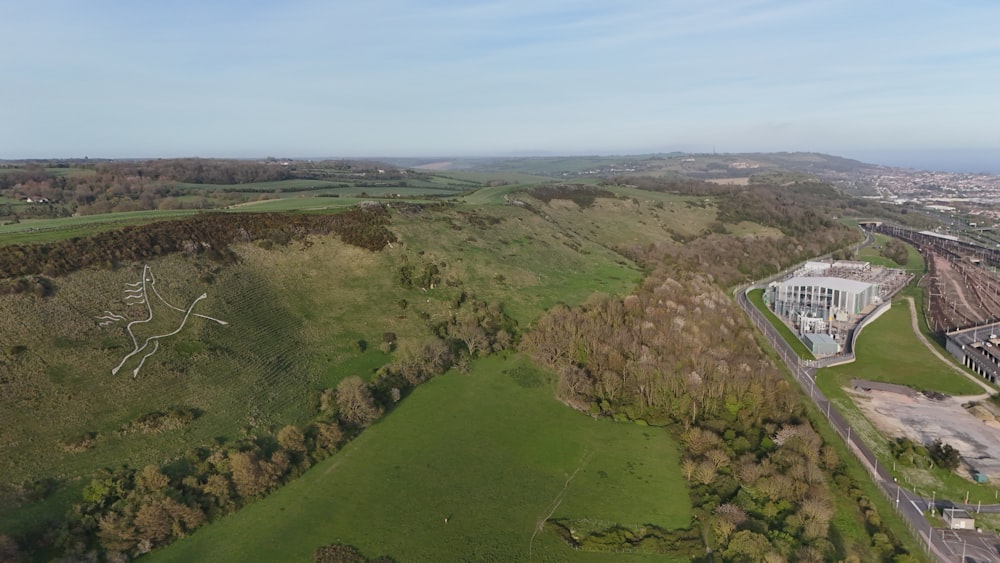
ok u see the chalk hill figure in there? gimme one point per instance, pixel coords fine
(144, 292)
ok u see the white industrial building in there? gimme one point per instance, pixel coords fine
(820, 297)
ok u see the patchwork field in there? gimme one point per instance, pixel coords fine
(492, 453)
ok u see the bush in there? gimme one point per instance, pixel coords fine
(944, 455)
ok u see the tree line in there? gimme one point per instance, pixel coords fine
(25, 267)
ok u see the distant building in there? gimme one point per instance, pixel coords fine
(958, 519)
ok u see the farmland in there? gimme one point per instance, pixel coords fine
(454, 450)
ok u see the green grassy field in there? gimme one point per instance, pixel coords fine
(889, 351)
(914, 261)
(58, 171)
(490, 451)
(45, 230)
(509, 255)
(278, 185)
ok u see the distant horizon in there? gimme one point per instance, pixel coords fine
(957, 161)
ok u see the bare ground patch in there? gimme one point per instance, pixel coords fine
(924, 420)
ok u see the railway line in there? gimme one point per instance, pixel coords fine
(963, 288)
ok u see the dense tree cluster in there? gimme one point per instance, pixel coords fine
(127, 512)
(198, 170)
(797, 210)
(210, 233)
(945, 455)
(896, 251)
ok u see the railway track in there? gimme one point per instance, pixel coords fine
(963, 290)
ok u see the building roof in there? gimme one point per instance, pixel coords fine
(842, 284)
(938, 235)
(957, 513)
(819, 338)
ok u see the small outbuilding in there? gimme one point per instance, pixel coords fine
(821, 344)
(958, 519)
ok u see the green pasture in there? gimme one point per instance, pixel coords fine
(57, 171)
(48, 230)
(485, 177)
(292, 185)
(756, 297)
(308, 203)
(889, 351)
(492, 452)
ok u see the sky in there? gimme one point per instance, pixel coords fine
(913, 80)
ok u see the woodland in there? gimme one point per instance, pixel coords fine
(94, 187)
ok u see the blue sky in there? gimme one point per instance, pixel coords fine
(440, 77)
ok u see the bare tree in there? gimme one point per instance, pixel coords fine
(355, 402)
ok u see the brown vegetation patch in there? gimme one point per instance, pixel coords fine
(79, 443)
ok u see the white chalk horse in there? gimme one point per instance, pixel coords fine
(141, 293)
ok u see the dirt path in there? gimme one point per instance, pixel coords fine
(556, 502)
(916, 330)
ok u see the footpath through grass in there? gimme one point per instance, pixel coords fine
(491, 452)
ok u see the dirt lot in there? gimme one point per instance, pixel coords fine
(976, 436)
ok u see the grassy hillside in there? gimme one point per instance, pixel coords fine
(295, 315)
(491, 451)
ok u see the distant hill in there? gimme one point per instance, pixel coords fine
(694, 165)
